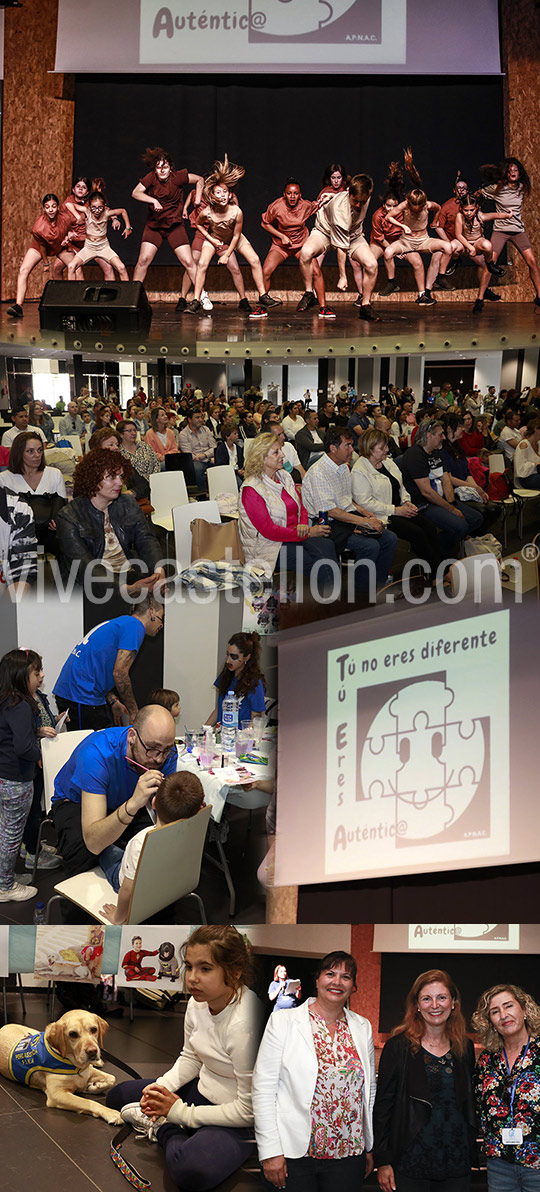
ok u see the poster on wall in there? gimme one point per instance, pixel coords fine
(69, 953)
(152, 956)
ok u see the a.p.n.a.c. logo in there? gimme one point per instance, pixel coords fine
(315, 20)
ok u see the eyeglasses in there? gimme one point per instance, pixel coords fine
(156, 753)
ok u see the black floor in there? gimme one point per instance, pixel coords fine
(55, 1151)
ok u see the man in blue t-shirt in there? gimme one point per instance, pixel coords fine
(94, 681)
(102, 793)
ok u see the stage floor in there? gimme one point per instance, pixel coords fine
(227, 334)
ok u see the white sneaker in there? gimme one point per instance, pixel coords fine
(142, 1124)
(18, 893)
(205, 301)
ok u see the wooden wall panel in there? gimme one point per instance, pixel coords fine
(37, 142)
(520, 39)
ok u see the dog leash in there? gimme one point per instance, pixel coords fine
(126, 1168)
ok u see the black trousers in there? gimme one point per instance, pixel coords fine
(67, 821)
(84, 715)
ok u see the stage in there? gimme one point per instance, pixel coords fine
(229, 335)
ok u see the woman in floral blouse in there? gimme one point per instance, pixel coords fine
(314, 1086)
(507, 1085)
(424, 1111)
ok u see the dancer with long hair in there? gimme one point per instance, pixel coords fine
(221, 223)
(416, 209)
(507, 184)
(470, 221)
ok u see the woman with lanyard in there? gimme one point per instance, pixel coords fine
(507, 1086)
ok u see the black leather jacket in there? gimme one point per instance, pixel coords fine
(81, 535)
(402, 1106)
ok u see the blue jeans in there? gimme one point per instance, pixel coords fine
(379, 551)
(200, 467)
(453, 528)
(512, 1177)
(307, 553)
(529, 481)
(110, 860)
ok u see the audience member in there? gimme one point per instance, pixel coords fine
(510, 434)
(327, 489)
(20, 423)
(308, 442)
(72, 423)
(160, 437)
(100, 524)
(273, 523)
(377, 485)
(200, 443)
(230, 451)
(527, 457)
(43, 487)
(431, 488)
(18, 553)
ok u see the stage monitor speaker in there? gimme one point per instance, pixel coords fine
(120, 306)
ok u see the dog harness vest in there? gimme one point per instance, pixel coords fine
(34, 1054)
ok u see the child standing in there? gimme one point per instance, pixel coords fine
(21, 673)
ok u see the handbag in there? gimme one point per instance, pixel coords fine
(486, 544)
(44, 508)
(218, 543)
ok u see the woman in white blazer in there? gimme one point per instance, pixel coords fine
(377, 485)
(314, 1088)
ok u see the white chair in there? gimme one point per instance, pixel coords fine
(522, 495)
(183, 515)
(169, 868)
(478, 576)
(57, 418)
(247, 445)
(55, 752)
(221, 479)
(167, 489)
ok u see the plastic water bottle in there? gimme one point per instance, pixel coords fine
(39, 913)
(229, 722)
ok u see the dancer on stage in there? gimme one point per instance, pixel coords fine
(96, 217)
(414, 237)
(51, 236)
(507, 185)
(340, 224)
(286, 221)
(335, 180)
(196, 246)
(220, 222)
(162, 190)
(383, 233)
(79, 198)
(470, 222)
(444, 225)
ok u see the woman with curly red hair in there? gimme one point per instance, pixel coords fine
(102, 523)
(423, 1119)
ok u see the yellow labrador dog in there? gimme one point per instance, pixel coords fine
(61, 1060)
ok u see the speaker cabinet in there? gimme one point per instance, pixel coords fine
(119, 306)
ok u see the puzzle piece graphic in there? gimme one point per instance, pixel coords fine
(429, 765)
(282, 18)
